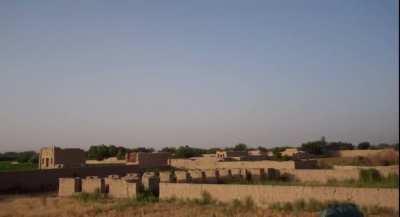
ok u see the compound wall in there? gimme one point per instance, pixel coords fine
(365, 153)
(212, 163)
(303, 175)
(264, 195)
(47, 180)
(384, 170)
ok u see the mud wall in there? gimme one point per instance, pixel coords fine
(47, 180)
(264, 195)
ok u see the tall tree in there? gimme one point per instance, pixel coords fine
(364, 145)
(315, 147)
(240, 147)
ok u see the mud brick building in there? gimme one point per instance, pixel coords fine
(229, 155)
(155, 159)
(54, 157)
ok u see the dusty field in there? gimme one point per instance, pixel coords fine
(51, 206)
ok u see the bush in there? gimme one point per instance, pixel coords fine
(364, 145)
(249, 203)
(123, 204)
(188, 152)
(90, 197)
(237, 203)
(146, 197)
(393, 178)
(378, 210)
(141, 198)
(315, 205)
(311, 205)
(206, 198)
(369, 175)
(172, 199)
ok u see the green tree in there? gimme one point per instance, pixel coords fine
(315, 147)
(34, 159)
(143, 149)
(121, 154)
(276, 152)
(240, 147)
(364, 145)
(26, 156)
(171, 150)
(334, 146)
(112, 151)
(212, 150)
(384, 145)
(187, 152)
(98, 152)
(262, 149)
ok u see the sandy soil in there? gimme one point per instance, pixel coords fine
(49, 205)
(52, 206)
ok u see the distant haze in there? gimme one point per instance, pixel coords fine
(198, 73)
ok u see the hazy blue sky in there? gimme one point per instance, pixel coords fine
(201, 73)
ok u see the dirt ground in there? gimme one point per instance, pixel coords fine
(52, 206)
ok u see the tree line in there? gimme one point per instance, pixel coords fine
(322, 147)
(101, 152)
(319, 147)
(21, 157)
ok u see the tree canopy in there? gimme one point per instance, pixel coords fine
(364, 145)
(101, 152)
(21, 157)
(187, 152)
(240, 147)
(314, 147)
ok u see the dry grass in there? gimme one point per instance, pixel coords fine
(380, 159)
(51, 206)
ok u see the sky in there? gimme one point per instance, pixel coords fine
(200, 73)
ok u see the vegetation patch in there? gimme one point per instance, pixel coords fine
(313, 205)
(9, 166)
(205, 199)
(90, 197)
(141, 199)
(369, 178)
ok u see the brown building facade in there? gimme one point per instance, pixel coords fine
(229, 155)
(54, 157)
(148, 159)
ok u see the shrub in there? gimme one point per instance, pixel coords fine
(146, 197)
(393, 179)
(123, 204)
(287, 207)
(141, 198)
(311, 205)
(315, 205)
(171, 199)
(206, 198)
(90, 197)
(299, 205)
(369, 175)
(378, 210)
(249, 203)
(332, 181)
(236, 203)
